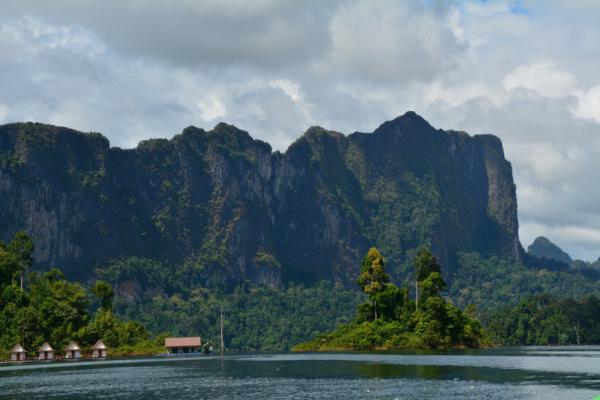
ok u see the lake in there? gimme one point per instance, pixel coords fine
(516, 373)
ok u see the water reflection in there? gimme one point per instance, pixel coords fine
(557, 373)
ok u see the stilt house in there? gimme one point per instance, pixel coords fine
(46, 352)
(99, 350)
(183, 345)
(73, 351)
(17, 353)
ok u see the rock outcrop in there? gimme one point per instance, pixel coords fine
(544, 248)
(237, 210)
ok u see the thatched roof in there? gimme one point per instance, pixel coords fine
(72, 347)
(99, 346)
(18, 349)
(46, 347)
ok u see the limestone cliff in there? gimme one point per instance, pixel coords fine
(238, 211)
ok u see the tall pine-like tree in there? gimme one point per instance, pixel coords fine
(373, 278)
(22, 248)
(428, 275)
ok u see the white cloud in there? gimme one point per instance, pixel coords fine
(392, 41)
(139, 69)
(544, 78)
(588, 106)
(479, 9)
(458, 94)
(290, 88)
(211, 108)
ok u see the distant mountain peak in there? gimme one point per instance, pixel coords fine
(409, 121)
(223, 127)
(317, 131)
(542, 247)
(411, 118)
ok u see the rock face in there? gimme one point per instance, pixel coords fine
(239, 211)
(544, 248)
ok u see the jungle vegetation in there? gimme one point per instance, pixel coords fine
(256, 317)
(36, 307)
(390, 319)
(548, 320)
(134, 300)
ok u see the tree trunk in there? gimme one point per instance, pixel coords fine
(375, 308)
(21, 281)
(222, 346)
(416, 295)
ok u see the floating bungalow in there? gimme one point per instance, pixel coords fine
(183, 345)
(17, 353)
(99, 350)
(46, 352)
(73, 351)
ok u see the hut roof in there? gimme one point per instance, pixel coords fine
(99, 345)
(183, 342)
(18, 349)
(45, 347)
(72, 347)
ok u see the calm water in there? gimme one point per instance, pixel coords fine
(523, 373)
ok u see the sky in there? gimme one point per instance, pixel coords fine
(526, 71)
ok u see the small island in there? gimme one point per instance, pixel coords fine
(391, 320)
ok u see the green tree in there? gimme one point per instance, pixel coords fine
(8, 266)
(373, 278)
(435, 324)
(432, 285)
(425, 265)
(104, 292)
(22, 249)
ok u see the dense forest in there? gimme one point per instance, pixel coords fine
(165, 299)
(389, 319)
(256, 317)
(548, 320)
(493, 282)
(44, 306)
(38, 307)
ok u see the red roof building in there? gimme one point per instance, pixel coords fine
(183, 345)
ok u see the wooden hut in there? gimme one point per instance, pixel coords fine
(207, 348)
(73, 351)
(17, 353)
(46, 352)
(99, 350)
(183, 345)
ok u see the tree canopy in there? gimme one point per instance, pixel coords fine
(373, 279)
(428, 275)
(46, 307)
(399, 324)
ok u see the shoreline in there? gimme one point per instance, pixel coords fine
(391, 350)
(89, 361)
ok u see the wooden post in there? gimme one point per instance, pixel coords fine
(222, 347)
